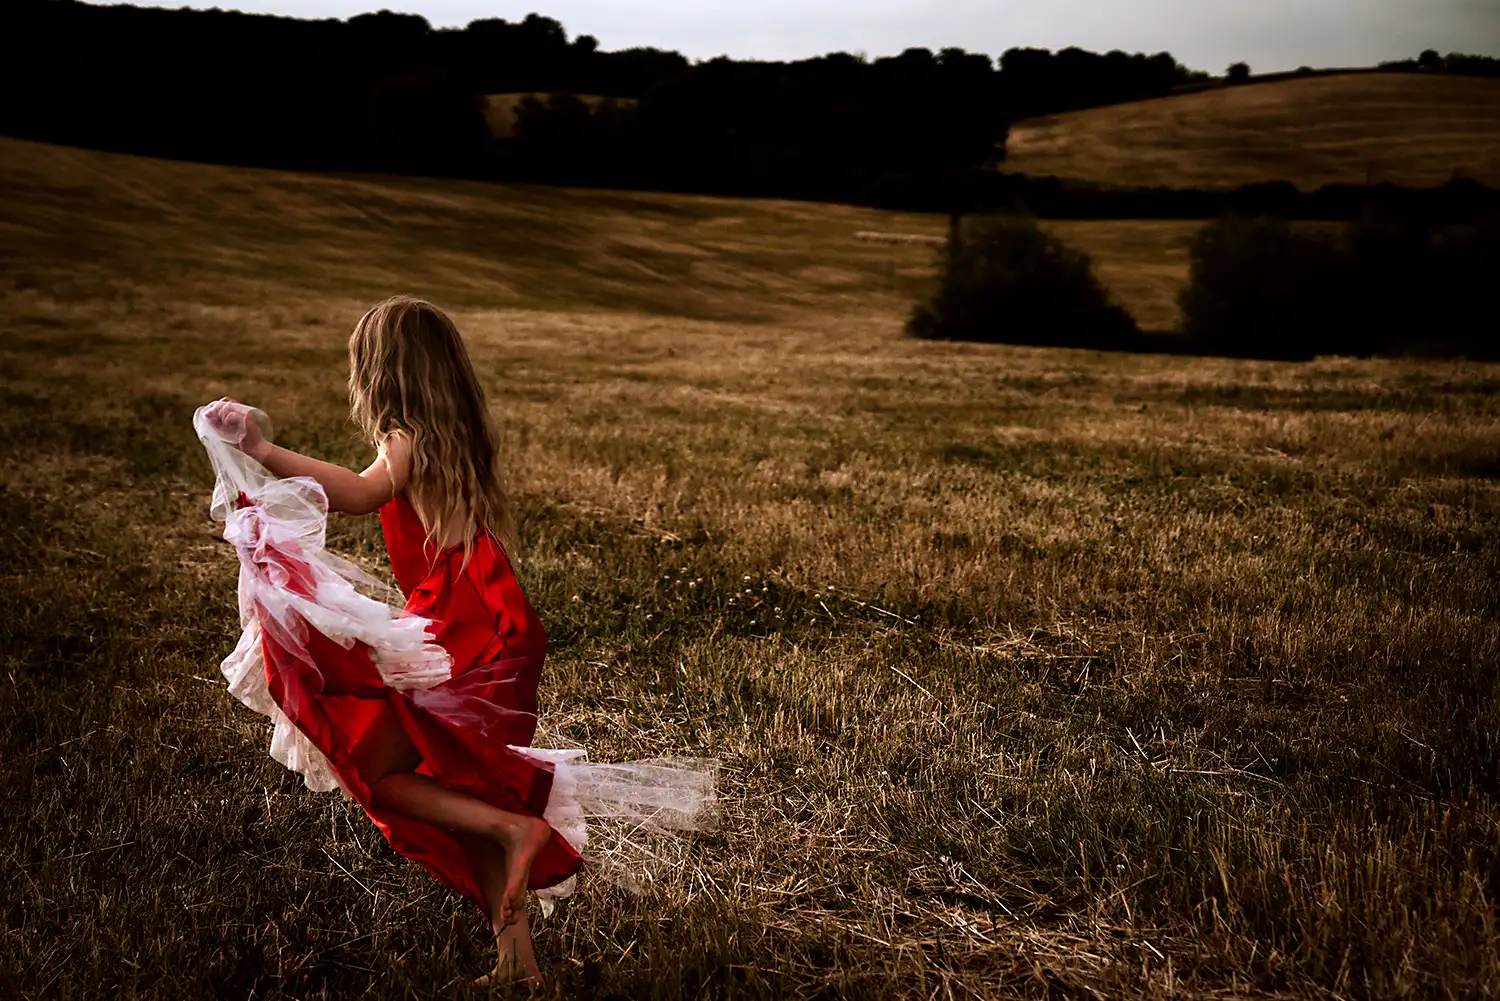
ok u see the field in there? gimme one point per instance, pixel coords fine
(1354, 129)
(1034, 673)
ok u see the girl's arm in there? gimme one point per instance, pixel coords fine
(348, 491)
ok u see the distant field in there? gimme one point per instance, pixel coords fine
(535, 246)
(1399, 127)
(500, 109)
(1035, 673)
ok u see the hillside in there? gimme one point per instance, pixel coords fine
(1033, 673)
(1399, 127)
(485, 245)
(511, 245)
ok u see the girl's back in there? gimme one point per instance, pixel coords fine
(479, 612)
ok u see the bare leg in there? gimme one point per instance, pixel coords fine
(521, 837)
(386, 758)
(516, 960)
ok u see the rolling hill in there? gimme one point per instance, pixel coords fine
(508, 245)
(1351, 128)
(501, 245)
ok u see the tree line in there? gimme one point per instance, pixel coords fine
(388, 92)
(1457, 63)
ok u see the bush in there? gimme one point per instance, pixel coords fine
(1390, 291)
(1010, 282)
(1466, 261)
(1391, 284)
(1419, 288)
(1260, 289)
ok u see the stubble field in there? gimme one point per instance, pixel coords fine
(1351, 128)
(1038, 673)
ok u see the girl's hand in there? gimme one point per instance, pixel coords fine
(248, 430)
(237, 423)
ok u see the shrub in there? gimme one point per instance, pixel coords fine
(1011, 282)
(1389, 293)
(1466, 262)
(1419, 288)
(1393, 283)
(1259, 288)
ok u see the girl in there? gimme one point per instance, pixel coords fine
(424, 717)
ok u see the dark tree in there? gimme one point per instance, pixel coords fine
(1238, 73)
(1393, 283)
(1008, 281)
(916, 130)
(423, 119)
(1260, 289)
(1038, 82)
(1457, 63)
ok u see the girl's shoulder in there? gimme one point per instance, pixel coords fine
(395, 449)
(394, 452)
(395, 443)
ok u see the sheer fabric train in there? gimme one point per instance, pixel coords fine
(325, 650)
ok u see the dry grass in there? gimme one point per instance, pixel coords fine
(1037, 673)
(1397, 127)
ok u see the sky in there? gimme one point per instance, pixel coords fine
(1205, 34)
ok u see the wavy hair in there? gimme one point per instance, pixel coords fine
(409, 372)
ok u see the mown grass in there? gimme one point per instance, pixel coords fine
(1357, 128)
(1039, 673)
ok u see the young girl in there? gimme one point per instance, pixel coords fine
(423, 715)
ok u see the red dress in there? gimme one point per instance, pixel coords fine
(463, 727)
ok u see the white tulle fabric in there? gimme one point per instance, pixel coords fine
(629, 819)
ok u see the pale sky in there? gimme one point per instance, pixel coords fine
(1204, 34)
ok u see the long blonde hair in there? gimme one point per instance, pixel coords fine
(409, 372)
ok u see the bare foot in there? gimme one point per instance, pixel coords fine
(508, 973)
(515, 962)
(521, 841)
